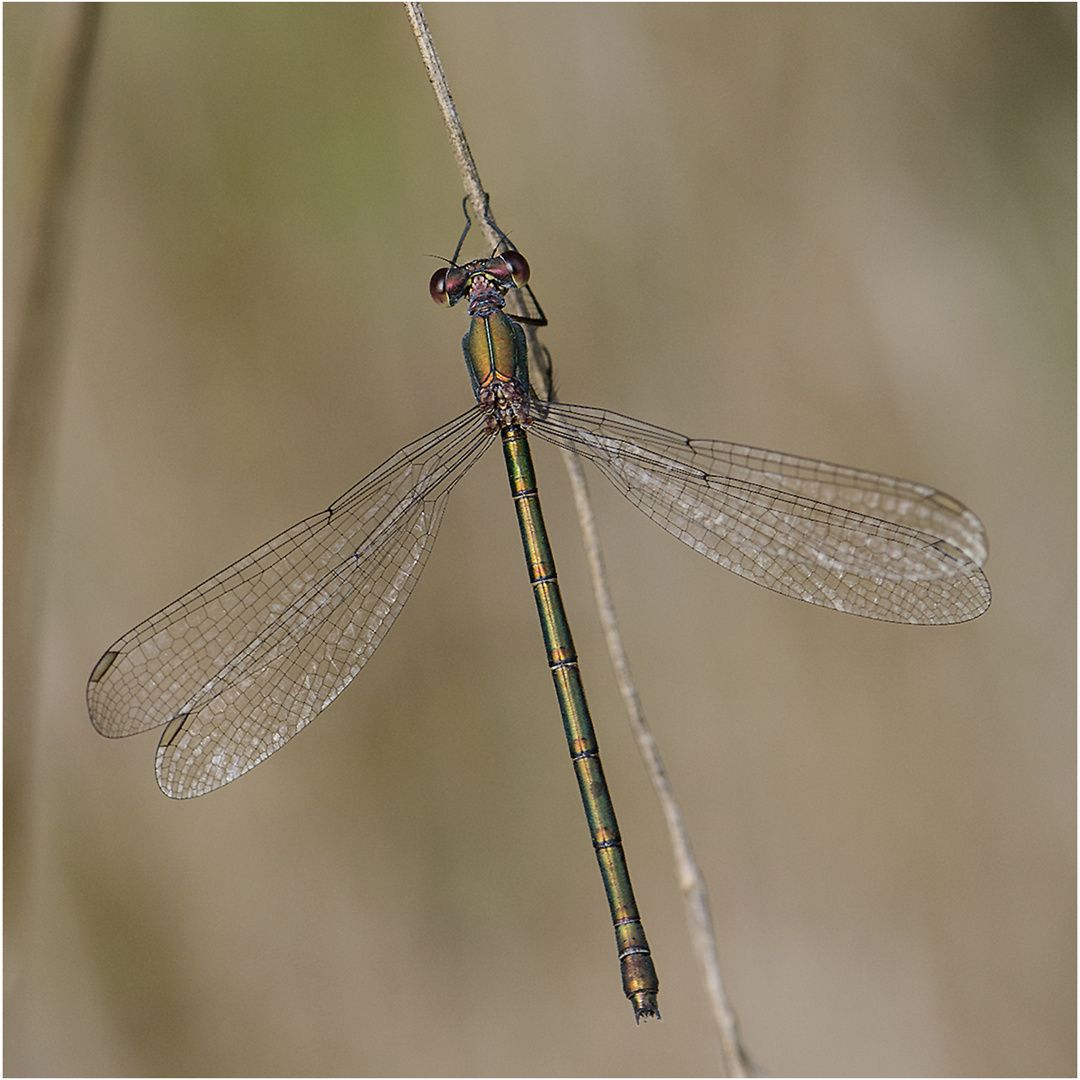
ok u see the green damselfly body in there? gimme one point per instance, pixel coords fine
(241, 663)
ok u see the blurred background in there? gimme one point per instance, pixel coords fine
(845, 231)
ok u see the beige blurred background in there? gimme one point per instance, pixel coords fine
(845, 231)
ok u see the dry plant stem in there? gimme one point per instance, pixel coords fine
(470, 176)
(734, 1058)
(691, 881)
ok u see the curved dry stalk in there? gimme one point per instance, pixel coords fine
(735, 1060)
(470, 175)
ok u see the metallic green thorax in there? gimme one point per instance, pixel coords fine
(496, 352)
(497, 355)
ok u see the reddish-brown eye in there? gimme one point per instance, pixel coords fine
(448, 285)
(437, 287)
(519, 268)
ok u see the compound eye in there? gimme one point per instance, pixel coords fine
(437, 287)
(448, 285)
(519, 268)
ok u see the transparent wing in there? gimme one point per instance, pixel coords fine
(862, 543)
(241, 663)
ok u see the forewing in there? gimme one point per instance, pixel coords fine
(241, 663)
(842, 538)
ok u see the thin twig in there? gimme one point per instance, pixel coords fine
(735, 1060)
(470, 175)
(691, 881)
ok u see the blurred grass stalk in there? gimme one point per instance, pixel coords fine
(35, 377)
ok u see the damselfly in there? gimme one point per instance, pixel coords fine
(238, 665)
